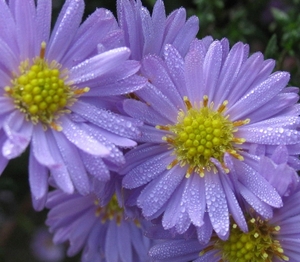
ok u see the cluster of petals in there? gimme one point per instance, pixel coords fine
(211, 68)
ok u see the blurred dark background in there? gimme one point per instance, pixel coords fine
(269, 26)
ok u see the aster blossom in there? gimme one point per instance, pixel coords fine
(97, 224)
(207, 117)
(58, 93)
(148, 34)
(276, 240)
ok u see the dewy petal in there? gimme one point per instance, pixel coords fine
(38, 180)
(124, 242)
(158, 192)
(110, 248)
(98, 65)
(8, 60)
(74, 163)
(85, 141)
(259, 95)
(43, 20)
(25, 22)
(65, 29)
(216, 204)
(6, 105)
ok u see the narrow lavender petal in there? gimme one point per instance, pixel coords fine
(110, 247)
(187, 33)
(124, 241)
(25, 17)
(88, 35)
(211, 68)
(74, 163)
(196, 205)
(155, 70)
(43, 21)
(6, 105)
(95, 166)
(40, 148)
(143, 112)
(38, 179)
(147, 171)
(260, 207)
(98, 65)
(151, 134)
(121, 87)
(83, 140)
(8, 59)
(204, 232)
(267, 68)
(157, 192)
(65, 29)
(259, 95)
(114, 123)
(8, 27)
(216, 204)
(229, 73)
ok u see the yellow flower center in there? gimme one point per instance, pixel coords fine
(40, 90)
(259, 244)
(111, 211)
(200, 134)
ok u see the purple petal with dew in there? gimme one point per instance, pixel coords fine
(193, 66)
(289, 121)
(98, 65)
(196, 205)
(40, 147)
(233, 204)
(61, 175)
(153, 28)
(111, 251)
(4, 78)
(159, 191)
(8, 60)
(211, 68)
(138, 155)
(247, 74)
(260, 207)
(211, 256)
(257, 184)
(140, 243)
(176, 250)
(87, 142)
(25, 25)
(216, 204)
(159, 102)
(175, 68)
(88, 35)
(6, 105)
(259, 95)
(225, 49)
(43, 20)
(124, 241)
(120, 87)
(73, 163)
(208, 40)
(38, 179)
(156, 71)
(81, 229)
(147, 170)
(116, 124)
(65, 29)
(269, 135)
(276, 105)
(143, 112)
(204, 232)
(95, 166)
(229, 73)
(19, 134)
(9, 31)
(186, 35)
(172, 211)
(151, 134)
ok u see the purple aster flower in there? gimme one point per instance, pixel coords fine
(59, 92)
(145, 34)
(97, 224)
(204, 115)
(276, 240)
